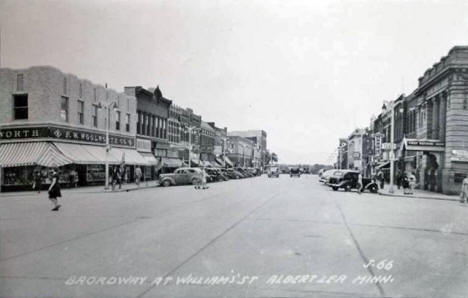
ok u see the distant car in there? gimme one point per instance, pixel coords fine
(181, 176)
(216, 174)
(348, 180)
(294, 172)
(273, 172)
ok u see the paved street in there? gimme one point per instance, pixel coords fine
(255, 237)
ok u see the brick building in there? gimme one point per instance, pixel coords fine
(52, 119)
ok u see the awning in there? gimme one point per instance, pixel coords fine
(220, 161)
(150, 159)
(88, 154)
(228, 161)
(129, 156)
(383, 165)
(422, 145)
(459, 156)
(83, 154)
(31, 153)
(195, 162)
(171, 162)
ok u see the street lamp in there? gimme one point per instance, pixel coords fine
(392, 151)
(107, 105)
(190, 129)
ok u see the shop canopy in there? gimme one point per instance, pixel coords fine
(220, 161)
(150, 159)
(32, 153)
(228, 161)
(384, 164)
(171, 162)
(88, 154)
(422, 145)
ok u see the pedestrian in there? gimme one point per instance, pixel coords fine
(405, 184)
(54, 190)
(71, 178)
(116, 178)
(380, 178)
(412, 182)
(398, 179)
(464, 191)
(138, 175)
(203, 181)
(359, 185)
(37, 181)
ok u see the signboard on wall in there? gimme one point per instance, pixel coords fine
(61, 133)
(143, 145)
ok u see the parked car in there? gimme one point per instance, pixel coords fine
(244, 172)
(233, 174)
(181, 176)
(348, 180)
(273, 172)
(216, 175)
(294, 172)
(326, 174)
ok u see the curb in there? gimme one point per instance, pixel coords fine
(418, 197)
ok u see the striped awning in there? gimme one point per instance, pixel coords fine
(150, 159)
(220, 161)
(228, 161)
(31, 153)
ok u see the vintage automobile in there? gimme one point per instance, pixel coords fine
(216, 174)
(295, 172)
(348, 180)
(233, 174)
(273, 172)
(181, 176)
(327, 174)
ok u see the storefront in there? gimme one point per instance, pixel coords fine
(425, 158)
(79, 155)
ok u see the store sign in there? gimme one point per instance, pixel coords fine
(60, 133)
(143, 145)
(378, 144)
(459, 155)
(388, 146)
(425, 143)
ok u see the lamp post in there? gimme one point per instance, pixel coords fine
(190, 129)
(107, 106)
(392, 150)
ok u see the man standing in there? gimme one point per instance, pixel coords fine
(359, 184)
(138, 175)
(464, 191)
(380, 178)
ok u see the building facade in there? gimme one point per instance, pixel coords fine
(152, 126)
(240, 151)
(52, 119)
(259, 138)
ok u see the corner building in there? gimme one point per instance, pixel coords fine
(52, 119)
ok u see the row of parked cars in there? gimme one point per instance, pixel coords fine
(187, 175)
(346, 180)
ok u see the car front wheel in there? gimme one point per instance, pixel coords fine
(166, 183)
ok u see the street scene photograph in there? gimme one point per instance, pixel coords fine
(234, 148)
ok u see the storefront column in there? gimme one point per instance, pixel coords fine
(429, 118)
(442, 116)
(435, 118)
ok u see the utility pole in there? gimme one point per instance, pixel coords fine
(392, 153)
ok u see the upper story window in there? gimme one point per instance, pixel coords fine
(95, 116)
(81, 111)
(80, 91)
(64, 108)
(127, 122)
(20, 82)
(117, 120)
(64, 86)
(20, 106)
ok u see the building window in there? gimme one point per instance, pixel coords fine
(20, 106)
(20, 82)
(64, 108)
(95, 116)
(80, 91)
(127, 122)
(64, 86)
(81, 111)
(117, 120)
(138, 122)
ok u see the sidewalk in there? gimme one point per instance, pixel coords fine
(418, 194)
(87, 189)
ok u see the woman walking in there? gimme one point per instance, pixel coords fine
(54, 190)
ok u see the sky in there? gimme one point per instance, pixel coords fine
(307, 72)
